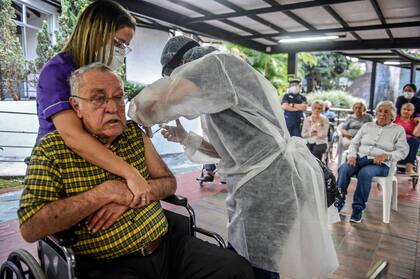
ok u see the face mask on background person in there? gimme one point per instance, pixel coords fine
(408, 94)
(295, 89)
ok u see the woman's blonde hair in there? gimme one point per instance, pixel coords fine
(96, 27)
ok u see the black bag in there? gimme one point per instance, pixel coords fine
(330, 184)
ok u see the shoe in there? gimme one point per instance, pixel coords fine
(356, 216)
(341, 201)
(207, 178)
(412, 173)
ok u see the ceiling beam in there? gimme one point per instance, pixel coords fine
(280, 8)
(340, 20)
(153, 11)
(348, 45)
(226, 21)
(264, 22)
(381, 17)
(337, 30)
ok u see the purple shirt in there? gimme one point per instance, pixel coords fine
(53, 91)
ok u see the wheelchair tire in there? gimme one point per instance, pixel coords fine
(33, 271)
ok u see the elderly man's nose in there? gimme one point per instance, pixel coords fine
(111, 106)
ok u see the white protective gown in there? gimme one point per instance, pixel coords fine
(276, 195)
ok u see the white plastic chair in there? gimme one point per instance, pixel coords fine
(389, 185)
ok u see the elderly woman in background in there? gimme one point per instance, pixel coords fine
(353, 123)
(412, 131)
(315, 130)
(371, 151)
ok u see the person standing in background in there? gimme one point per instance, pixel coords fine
(294, 104)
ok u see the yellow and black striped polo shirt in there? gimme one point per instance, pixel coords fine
(56, 172)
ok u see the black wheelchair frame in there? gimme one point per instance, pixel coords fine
(58, 261)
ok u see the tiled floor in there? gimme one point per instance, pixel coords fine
(359, 246)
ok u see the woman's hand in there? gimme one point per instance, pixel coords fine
(140, 188)
(380, 159)
(351, 161)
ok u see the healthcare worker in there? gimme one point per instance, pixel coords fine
(276, 194)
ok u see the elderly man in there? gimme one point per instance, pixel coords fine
(371, 151)
(64, 191)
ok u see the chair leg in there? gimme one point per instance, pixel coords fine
(386, 200)
(394, 194)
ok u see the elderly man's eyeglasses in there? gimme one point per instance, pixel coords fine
(122, 46)
(101, 100)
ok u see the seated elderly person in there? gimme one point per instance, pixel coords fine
(315, 130)
(353, 122)
(371, 151)
(412, 132)
(64, 191)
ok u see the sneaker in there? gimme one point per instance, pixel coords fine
(411, 173)
(356, 216)
(341, 201)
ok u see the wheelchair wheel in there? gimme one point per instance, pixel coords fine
(21, 265)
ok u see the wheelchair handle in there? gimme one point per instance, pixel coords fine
(176, 200)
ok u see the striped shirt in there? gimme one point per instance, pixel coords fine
(56, 172)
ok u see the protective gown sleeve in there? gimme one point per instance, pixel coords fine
(199, 87)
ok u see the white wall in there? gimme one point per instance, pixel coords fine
(143, 64)
(29, 123)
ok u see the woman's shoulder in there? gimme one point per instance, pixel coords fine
(61, 62)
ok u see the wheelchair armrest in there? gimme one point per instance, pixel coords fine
(64, 238)
(213, 235)
(176, 200)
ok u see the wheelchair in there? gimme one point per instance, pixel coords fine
(414, 180)
(57, 261)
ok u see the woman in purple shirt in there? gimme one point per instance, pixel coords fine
(102, 34)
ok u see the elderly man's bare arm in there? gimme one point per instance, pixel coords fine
(62, 214)
(162, 181)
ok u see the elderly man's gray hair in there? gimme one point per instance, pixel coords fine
(389, 105)
(77, 76)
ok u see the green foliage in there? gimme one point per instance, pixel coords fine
(132, 89)
(70, 11)
(354, 71)
(338, 98)
(326, 71)
(272, 66)
(12, 62)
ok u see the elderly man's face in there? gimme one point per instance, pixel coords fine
(101, 106)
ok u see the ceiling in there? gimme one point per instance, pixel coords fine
(367, 29)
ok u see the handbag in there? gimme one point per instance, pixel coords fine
(331, 189)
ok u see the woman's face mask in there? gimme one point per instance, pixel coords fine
(408, 94)
(117, 59)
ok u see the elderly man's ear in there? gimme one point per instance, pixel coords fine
(75, 105)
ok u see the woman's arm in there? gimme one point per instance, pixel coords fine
(416, 131)
(306, 129)
(84, 144)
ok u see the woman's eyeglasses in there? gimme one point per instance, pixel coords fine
(120, 45)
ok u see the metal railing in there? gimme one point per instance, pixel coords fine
(3, 146)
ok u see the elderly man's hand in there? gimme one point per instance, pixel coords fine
(105, 217)
(380, 159)
(117, 191)
(351, 161)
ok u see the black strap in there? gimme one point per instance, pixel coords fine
(177, 58)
